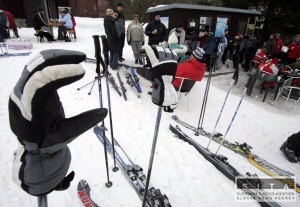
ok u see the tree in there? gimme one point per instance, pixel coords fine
(281, 16)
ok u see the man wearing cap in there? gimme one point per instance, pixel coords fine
(38, 19)
(135, 38)
(121, 20)
(156, 31)
(179, 32)
(113, 39)
(193, 69)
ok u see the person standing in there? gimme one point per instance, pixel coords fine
(121, 20)
(209, 47)
(228, 47)
(113, 38)
(222, 44)
(278, 46)
(38, 19)
(236, 47)
(11, 20)
(135, 38)
(270, 45)
(293, 51)
(156, 31)
(179, 32)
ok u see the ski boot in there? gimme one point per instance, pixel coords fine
(289, 152)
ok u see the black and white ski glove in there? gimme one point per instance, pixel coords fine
(37, 118)
(163, 66)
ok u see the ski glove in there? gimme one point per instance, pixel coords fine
(37, 118)
(129, 42)
(163, 66)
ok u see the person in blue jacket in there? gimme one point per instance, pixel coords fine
(209, 47)
(66, 18)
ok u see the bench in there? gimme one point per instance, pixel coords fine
(71, 33)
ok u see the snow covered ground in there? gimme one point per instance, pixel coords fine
(178, 170)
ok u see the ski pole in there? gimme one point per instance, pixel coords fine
(42, 201)
(98, 56)
(212, 134)
(204, 101)
(105, 53)
(224, 138)
(152, 153)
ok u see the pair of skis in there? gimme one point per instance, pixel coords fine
(134, 173)
(245, 150)
(132, 80)
(15, 54)
(222, 164)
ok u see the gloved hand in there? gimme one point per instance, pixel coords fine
(163, 65)
(143, 43)
(37, 119)
(128, 42)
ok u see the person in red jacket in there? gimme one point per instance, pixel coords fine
(193, 69)
(11, 20)
(259, 58)
(294, 50)
(278, 46)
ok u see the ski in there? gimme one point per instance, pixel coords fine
(130, 81)
(129, 66)
(90, 60)
(15, 54)
(136, 80)
(222, 164)
(122, 86)
(134, 173)
(84, 190)
(112, 81)
(245, 150)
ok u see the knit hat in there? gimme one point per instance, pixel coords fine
(198, 53)
(109, 11)
(277, 35)
(237, 36)
(173, 39)
(179, 25)
(119, 4)
(135, 15)
(156, 13)
(40, 8)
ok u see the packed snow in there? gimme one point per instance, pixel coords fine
(179, 171)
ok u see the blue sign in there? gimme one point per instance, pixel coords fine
(221, 26)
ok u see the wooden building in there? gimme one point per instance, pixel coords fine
(198, 18)
(23, 9)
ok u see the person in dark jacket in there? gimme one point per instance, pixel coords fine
(291, 148)
(270, 45)
(121, 20)
(11, 20)
(209, 47)
(113, 39)
(38, 19)
(156, 31)
(3, 23)
(236, 55)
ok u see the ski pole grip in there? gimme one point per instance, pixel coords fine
(105, 48)
(97, 52)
